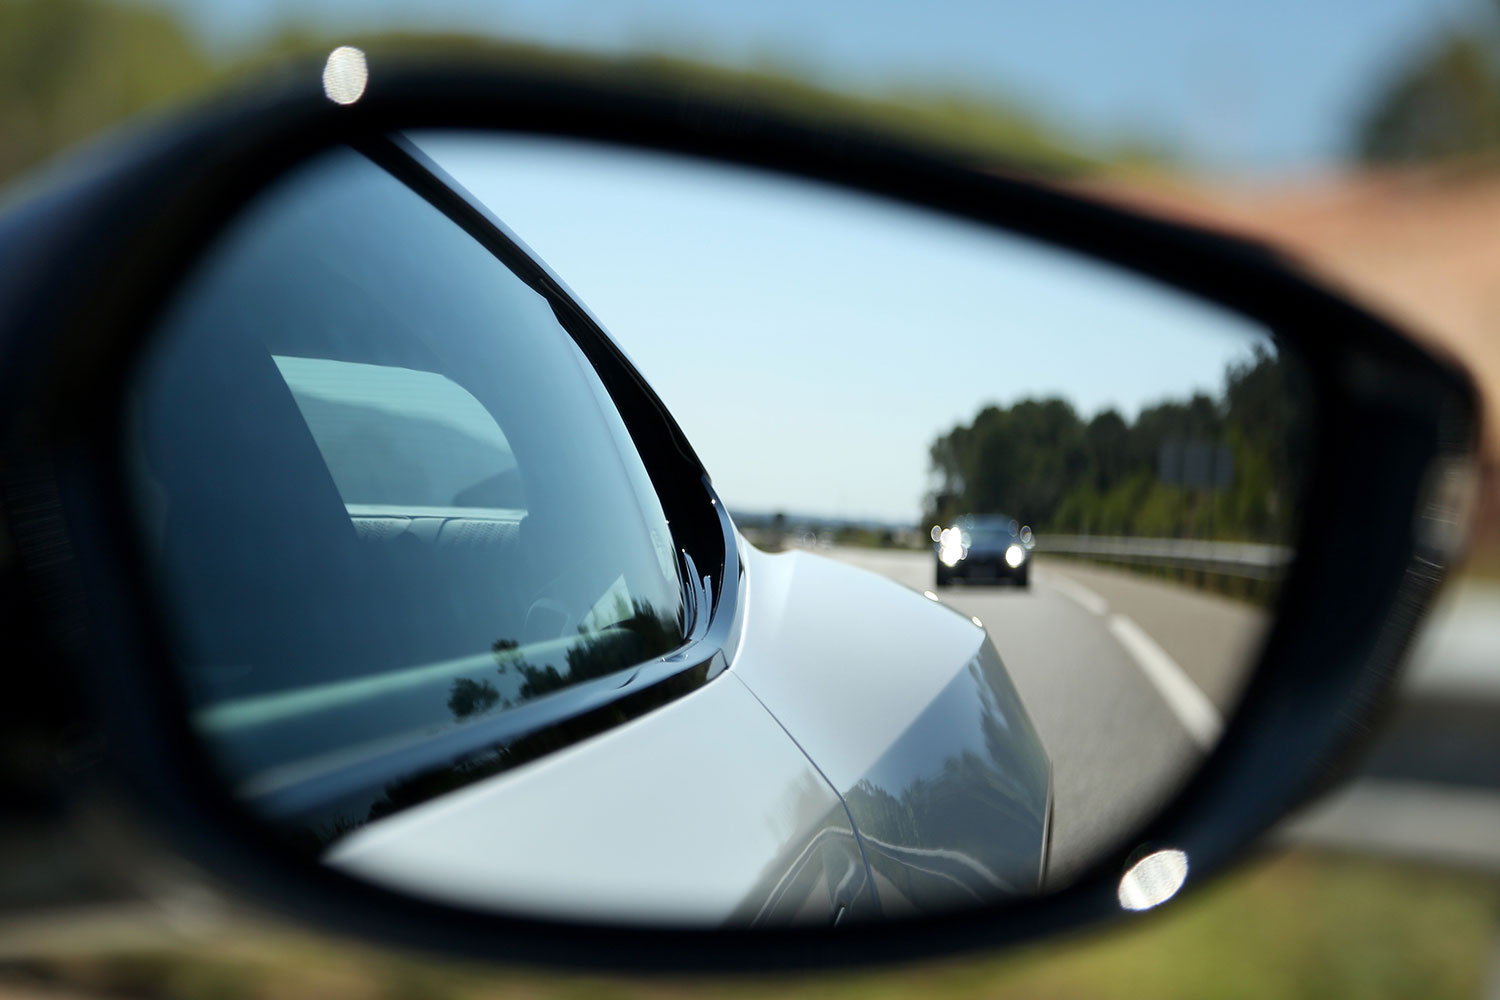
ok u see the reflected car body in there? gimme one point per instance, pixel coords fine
(864, 754)
(984, 547)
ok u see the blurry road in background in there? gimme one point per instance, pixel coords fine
(1428, 788)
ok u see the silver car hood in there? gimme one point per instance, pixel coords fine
(729, 804)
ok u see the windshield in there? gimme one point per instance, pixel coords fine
(388, 496)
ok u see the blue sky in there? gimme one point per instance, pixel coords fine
(812, 342)
(1260, 88)
(740, 300)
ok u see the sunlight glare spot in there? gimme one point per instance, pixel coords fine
(345, 75)
(1153, 880)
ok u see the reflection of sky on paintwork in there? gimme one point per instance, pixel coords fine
(812, 343)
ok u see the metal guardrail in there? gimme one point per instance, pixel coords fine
(1246, 559)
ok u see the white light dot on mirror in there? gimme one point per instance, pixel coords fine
(1153, 880)
(345, 75)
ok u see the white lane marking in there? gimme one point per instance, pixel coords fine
(1078, 593)
(1191, 706)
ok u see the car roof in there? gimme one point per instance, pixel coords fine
(986, 520)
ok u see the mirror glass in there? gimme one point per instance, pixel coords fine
(1009, 526)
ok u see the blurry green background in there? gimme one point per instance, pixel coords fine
(1406, 213)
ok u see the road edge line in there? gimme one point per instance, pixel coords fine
(1077, 593)
(1186, 700)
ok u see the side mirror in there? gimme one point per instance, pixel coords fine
(402, 601)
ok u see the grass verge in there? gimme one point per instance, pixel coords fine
(1299, 924)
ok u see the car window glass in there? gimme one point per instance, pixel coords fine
(402, 438)
(389, 495)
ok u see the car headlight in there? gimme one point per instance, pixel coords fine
(1015, 555)
(951, 546)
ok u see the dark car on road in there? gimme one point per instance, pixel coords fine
(984, 547)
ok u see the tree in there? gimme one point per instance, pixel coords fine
(1037, 461)
(69, 68)
(1443, 103)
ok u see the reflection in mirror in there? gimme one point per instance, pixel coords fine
(1009, 525)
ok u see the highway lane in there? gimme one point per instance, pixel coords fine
(1126, 678)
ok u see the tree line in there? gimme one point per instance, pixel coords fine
(71, 68)
(1040, 461)
(1441, 99)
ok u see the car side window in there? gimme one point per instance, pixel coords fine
(403, 439)
(390, 496)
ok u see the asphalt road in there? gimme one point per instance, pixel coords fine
(1127, 679)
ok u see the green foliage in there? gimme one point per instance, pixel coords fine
(971, 127)
(645, 633)
(70, 68)
(469, 697)
(1039, 461)
(1444, 102)
(1297, 925)
(866, 538)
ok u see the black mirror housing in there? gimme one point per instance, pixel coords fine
(90, 257)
